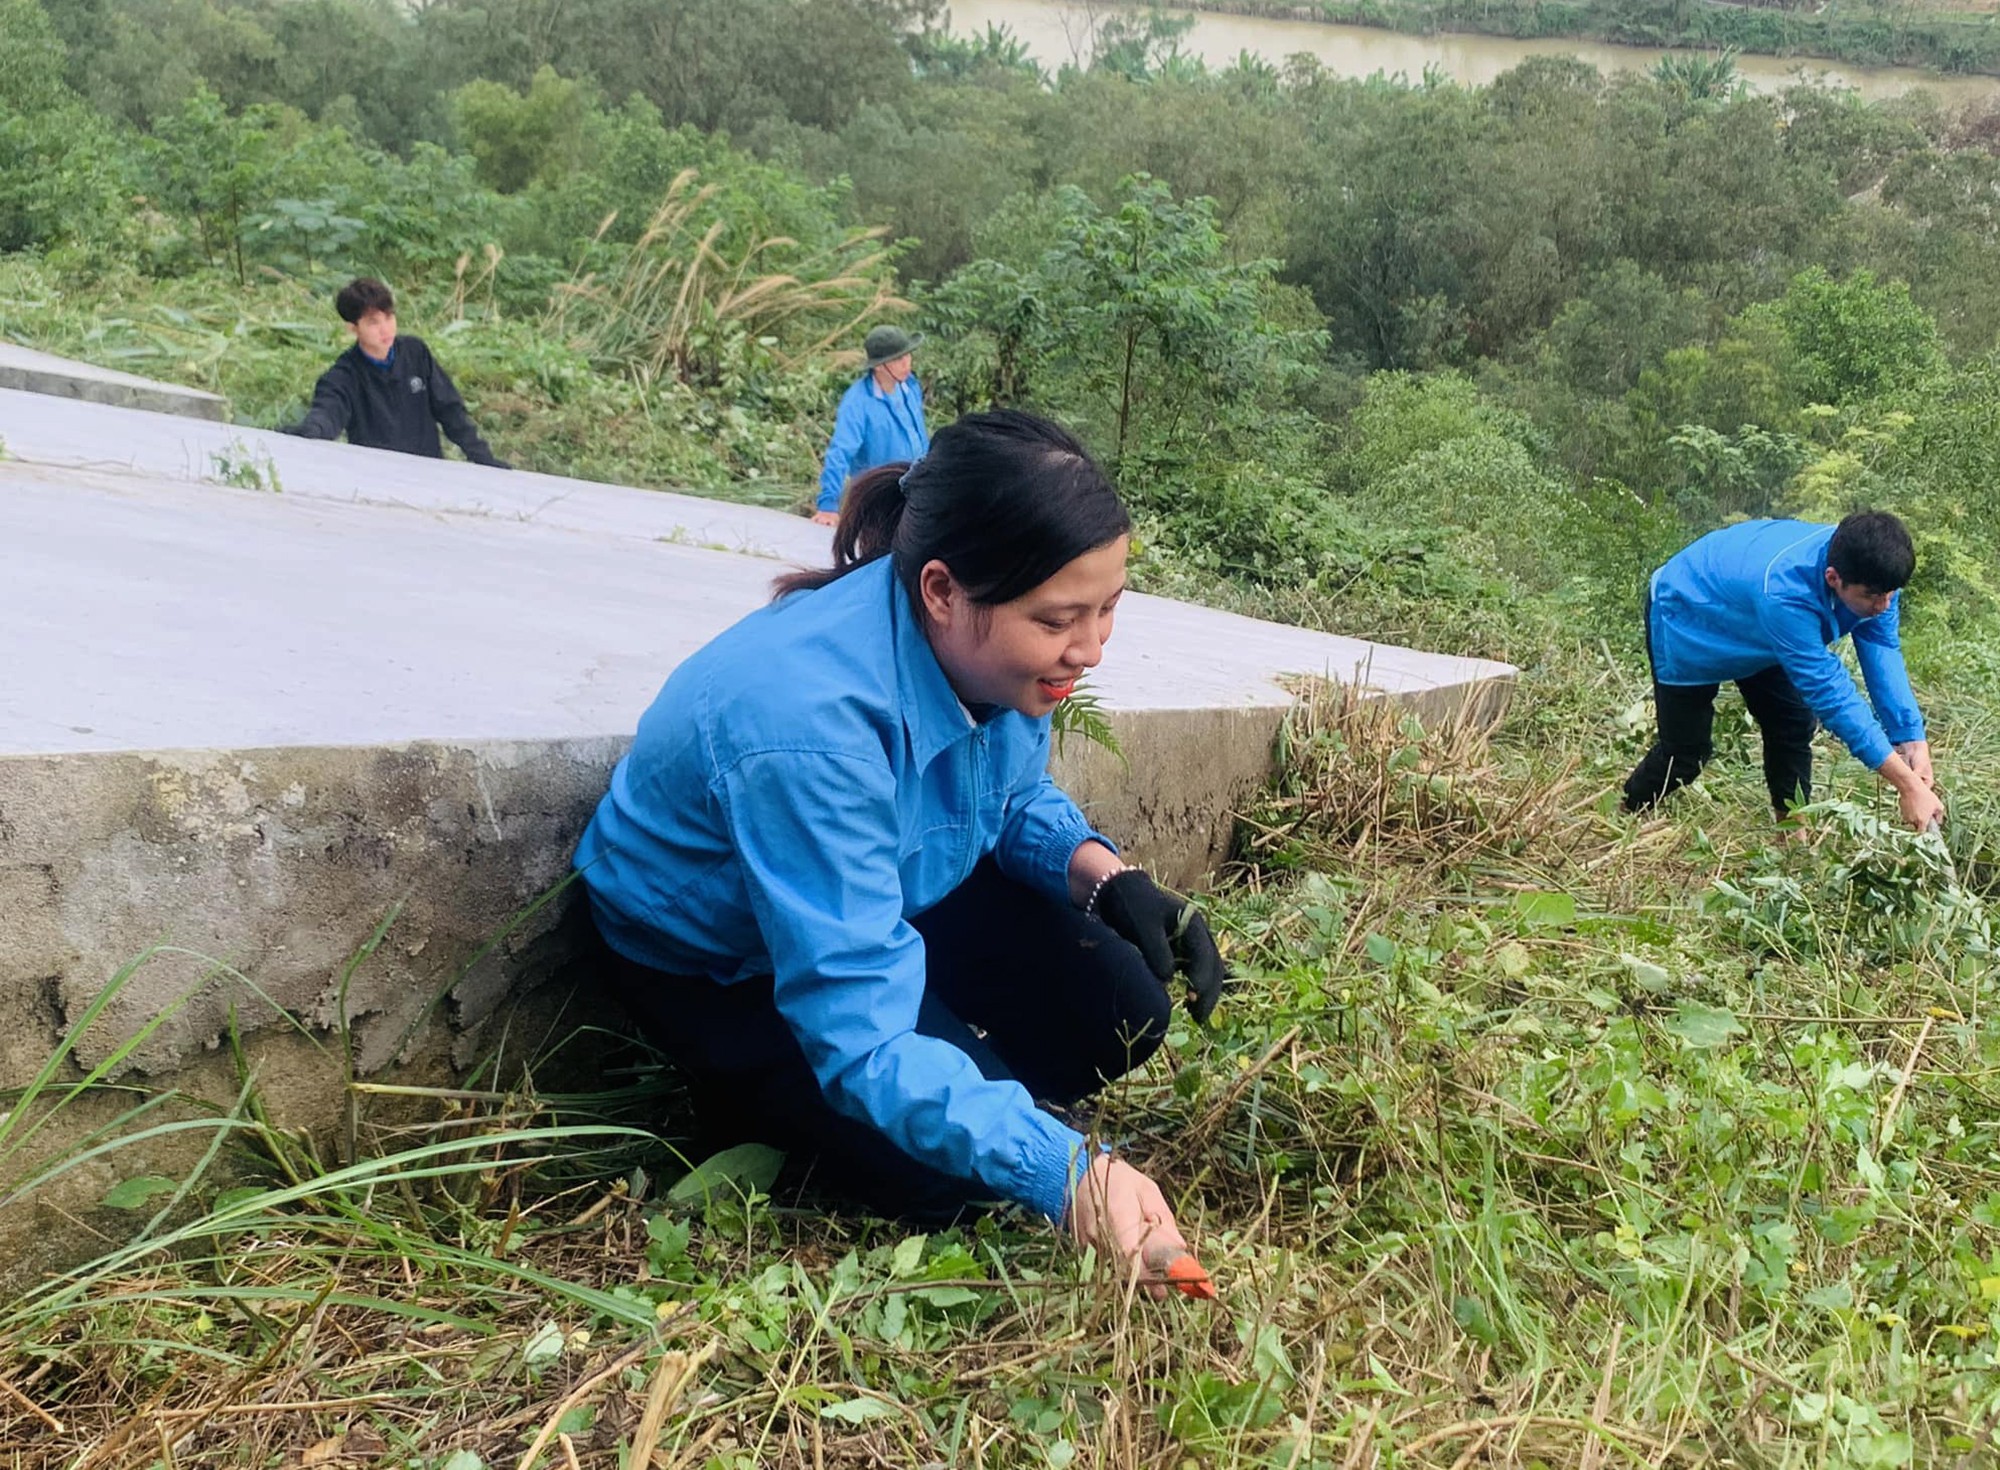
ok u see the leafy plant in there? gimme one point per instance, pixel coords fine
(1695, 80)
(315, 231)
(246, 468)
(1083, 715)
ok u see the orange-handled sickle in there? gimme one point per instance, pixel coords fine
(1182, 1272)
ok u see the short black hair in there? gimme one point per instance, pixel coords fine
(1872, 549)
(362, 295)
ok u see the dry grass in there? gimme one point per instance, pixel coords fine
(1369, 782)
(662, 305)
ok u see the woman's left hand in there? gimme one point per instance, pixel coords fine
(1168, 931)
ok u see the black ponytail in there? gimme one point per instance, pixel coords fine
(870, 512)
(1004, 499)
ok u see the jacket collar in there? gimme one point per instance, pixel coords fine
(933, 717)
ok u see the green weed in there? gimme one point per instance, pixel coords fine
(1084, 716)
(245, 468)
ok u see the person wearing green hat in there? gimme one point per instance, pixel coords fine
(881, 419)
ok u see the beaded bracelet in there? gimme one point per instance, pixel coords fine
(1090, 904)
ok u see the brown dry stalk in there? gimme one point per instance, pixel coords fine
(299, 1406)
(675, 1369)
(1492, 1426)
(55, 1424)
(1593, 1451)
(1192, 1138)
(1895, 1102)
(1305, 1437)
(577, 1395)
(1760, 1373)
(692, 1455)
(1474, 1448)
(1357, 1451)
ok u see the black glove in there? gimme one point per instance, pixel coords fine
(1168, 931)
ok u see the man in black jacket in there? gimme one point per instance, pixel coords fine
(388, 392)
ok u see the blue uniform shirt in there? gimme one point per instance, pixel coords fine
(1754, 594)
(800, 788)
(872, 428)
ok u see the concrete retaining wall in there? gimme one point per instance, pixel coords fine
(24, 370)
(250, 879)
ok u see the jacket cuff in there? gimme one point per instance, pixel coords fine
(1873, 750)
(1052, 1163)
(1051, 857)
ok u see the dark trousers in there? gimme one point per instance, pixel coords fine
(1028, 988)
(1686, 740)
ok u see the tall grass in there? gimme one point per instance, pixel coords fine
(675, 300)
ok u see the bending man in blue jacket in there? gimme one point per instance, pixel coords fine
(1762, 603)
(881, 419)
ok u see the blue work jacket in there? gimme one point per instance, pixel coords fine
(802, 786)
(1754, 594)
(872, 428)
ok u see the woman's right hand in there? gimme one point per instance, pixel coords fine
(1921, 806)
(1122, 1213)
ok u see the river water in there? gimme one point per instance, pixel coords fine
(1059, 31)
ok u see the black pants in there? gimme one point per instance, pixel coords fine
(1687, 725)
(1063, 1003)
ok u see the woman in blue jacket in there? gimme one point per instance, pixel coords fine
(842, 891)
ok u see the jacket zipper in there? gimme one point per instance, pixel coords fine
(968, 857)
